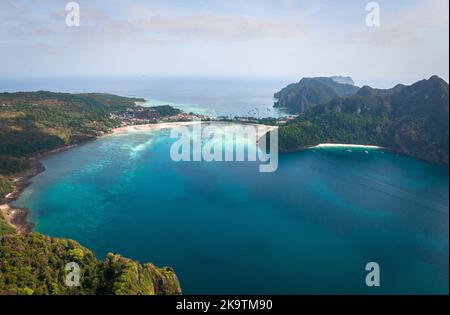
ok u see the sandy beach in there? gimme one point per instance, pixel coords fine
(157, 126)
(168, 125)
(344, 145)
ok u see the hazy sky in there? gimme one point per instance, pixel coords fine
(254, 38)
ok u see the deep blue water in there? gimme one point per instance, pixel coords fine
(211, 96)
(310, 227)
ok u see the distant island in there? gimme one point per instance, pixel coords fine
(411, 120)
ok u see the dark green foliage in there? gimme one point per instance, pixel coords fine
(97, 101)
(367, 90)
(166, 110)
(10, 165)
(5, 228)
(5, 187)
(34, 122)
(35, 264)
(124, 276)
(329, 127)
(409, 119)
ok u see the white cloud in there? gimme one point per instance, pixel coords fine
(207, 26)
(218, 27)
(226, 37)
(406, 27)
(97, 25)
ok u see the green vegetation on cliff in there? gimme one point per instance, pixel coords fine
(10, 164)
(5, 228)
(328, 127)
(34, 122)
(166, 110)
(35, 264)
(125, 276)
(412, 120)
(5, 187)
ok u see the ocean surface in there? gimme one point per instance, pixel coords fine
(308, 228)
(210, 96)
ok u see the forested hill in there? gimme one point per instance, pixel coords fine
(33, 122)
(412, 120)
(36, 264)
(301, 96)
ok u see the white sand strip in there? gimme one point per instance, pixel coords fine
(169, 125)
(344, 145)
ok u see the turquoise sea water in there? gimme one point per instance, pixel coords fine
(310, 227)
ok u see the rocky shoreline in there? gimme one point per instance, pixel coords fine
(18, 217)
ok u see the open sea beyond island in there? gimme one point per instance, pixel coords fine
(209, 96)
(310, 227)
